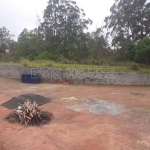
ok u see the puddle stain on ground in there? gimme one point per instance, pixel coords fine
(99, 107)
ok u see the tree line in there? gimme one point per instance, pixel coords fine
(63, 35)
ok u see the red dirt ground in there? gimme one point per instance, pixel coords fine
(70, 130)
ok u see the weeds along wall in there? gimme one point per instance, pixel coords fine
(53, 75)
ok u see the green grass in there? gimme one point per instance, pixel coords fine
(106, 68)
(8, 63)
(122, 67)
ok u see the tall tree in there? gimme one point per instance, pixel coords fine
(5, 39)
(99, 44)
(29, 43)
(64, 23)
(142, 54)
(131, 18)
(4, 35)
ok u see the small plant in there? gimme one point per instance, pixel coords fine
(30, 57)
(25, 63)
(135, 66)
(49, 64)
(64, 60)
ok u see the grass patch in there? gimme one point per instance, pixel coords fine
(122, 67)
(8, 63)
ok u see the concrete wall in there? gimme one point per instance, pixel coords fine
(52, 75)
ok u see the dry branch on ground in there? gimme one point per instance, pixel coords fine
(30, 114)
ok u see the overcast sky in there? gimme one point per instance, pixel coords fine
(16, 15)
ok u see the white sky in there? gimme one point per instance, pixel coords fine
(16, 15)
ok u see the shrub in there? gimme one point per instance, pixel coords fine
(10, 57)
(30, 57)
(130, 51)
(49, 64)
(25, 63)
(92, 61)
(135, 66)
(64, 60)
(46, 56)
(143, 51)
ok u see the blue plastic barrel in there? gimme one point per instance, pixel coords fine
(28, 78)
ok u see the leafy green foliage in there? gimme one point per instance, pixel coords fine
(30, 57)
(99, 44)
(29, 43)
(4, 35)
(25, 63)
(10, 57)
(5, 40)
(46, 56)
(63, 28)
(130, 17)
(3, 47)
(143, 51)
(119, 43)
(63, 37)
(130, 51)
(135, 67)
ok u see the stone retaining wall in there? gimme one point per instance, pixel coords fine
(52, 75)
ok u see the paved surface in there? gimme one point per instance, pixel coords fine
(73, 126)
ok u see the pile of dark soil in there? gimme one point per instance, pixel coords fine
(46, 118)
(15, 101)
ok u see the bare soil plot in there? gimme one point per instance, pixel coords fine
(74, 127)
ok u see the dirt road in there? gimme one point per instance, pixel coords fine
(79, 130)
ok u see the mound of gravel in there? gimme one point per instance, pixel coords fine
(15, 101)
(101, 106)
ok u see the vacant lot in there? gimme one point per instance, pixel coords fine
(73, 126)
